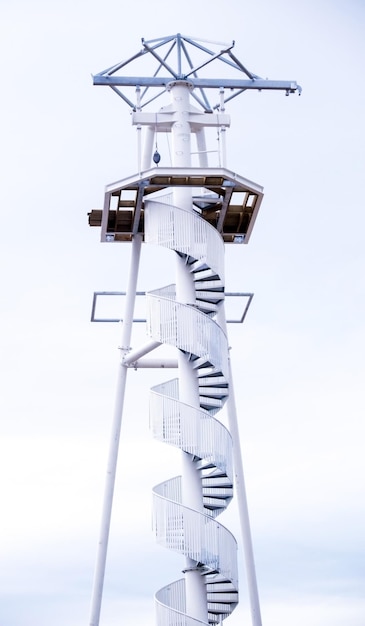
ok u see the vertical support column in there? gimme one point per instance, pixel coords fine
(202, 147)
(243, 507)
(241, 490)
(148, 148)
(139, 132)
(181, 136)
(115, 436)
(223, 150)
(196, 604)
(181, 157)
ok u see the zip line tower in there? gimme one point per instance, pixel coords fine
(194, 211)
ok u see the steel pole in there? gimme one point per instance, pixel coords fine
(241, 490)
(148, 148)
(115, 436)
(242, 505)
(202, 147)
(196, 604)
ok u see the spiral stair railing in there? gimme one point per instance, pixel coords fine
(192, 329)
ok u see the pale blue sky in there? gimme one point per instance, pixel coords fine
(298, 360)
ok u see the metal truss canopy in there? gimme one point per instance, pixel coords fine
(229, 202)
(179, 57)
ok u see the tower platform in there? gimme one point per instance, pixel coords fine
(229, 202)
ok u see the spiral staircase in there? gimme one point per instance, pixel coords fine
(192, 329)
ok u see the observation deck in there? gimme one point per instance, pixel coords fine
(227, 201)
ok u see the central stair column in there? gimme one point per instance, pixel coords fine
(196, 603)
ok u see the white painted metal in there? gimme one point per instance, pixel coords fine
(185, 420)
(115, 436)
(241, 492)
(243, 508)
(148, 148)
(191, 429)
(188, 329)
(183, 47)
(196, 605)
(202, 147)
(134, 355)
(196, 535)
(184, 231)
(182, 316)
(154, 363)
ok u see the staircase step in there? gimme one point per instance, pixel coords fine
(208, 469)
(205, 274)
(213, 381)
(205, 464)
(202, 284)
(217, 481)
(206, 307)
(220, 597)
(214, 296)
(208, 403)
(222, 493)
(220, 608)
(216, 618)
(198, 265)
(201, 361)
(221, 587)
(214, 503)
(213, 392)
(208, 371)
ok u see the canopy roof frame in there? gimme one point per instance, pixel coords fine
(179, 43)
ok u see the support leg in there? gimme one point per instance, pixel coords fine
(115, 436)
(241, 491)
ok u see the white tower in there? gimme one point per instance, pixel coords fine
(192, 210)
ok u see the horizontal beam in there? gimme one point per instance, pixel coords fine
(138, 355)
(202, 83)
(163, 121)
(154, 363)
(134, 355)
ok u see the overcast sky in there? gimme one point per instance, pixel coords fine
(298, 359)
